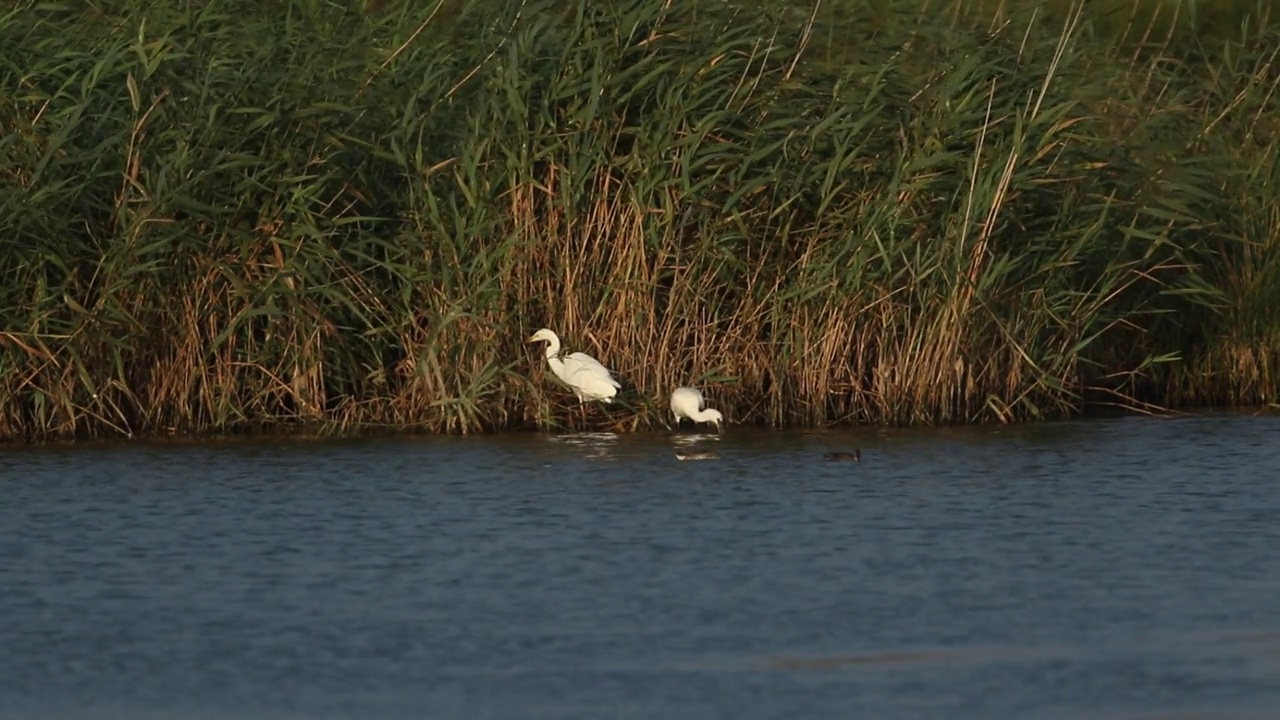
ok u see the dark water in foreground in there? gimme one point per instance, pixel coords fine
(1106, 569)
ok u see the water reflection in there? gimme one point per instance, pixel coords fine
(598, 445)
(1116, 569)
(613, 446)
(696, 446)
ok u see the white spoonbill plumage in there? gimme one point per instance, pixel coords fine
(588, 379)
(687, 402)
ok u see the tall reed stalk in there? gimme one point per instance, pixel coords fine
(224, 215)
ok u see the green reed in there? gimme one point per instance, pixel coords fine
(226, 215)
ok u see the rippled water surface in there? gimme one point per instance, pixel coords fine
(1103, 569)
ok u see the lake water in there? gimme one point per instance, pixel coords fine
(1099, 569)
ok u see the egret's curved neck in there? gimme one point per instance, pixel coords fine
(703, 415)
(553, 347)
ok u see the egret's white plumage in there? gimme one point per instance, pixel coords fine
(588, 379)
(687, 402)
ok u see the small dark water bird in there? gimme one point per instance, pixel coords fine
(854, 456)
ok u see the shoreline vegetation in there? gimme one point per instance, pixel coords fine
(225, 216)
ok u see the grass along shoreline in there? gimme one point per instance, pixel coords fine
(232, 216)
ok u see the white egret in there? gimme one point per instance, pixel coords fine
(588, 379)
(687, 402)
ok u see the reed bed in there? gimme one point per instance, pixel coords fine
(224, 216)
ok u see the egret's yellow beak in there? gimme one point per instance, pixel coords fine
(531, 339)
